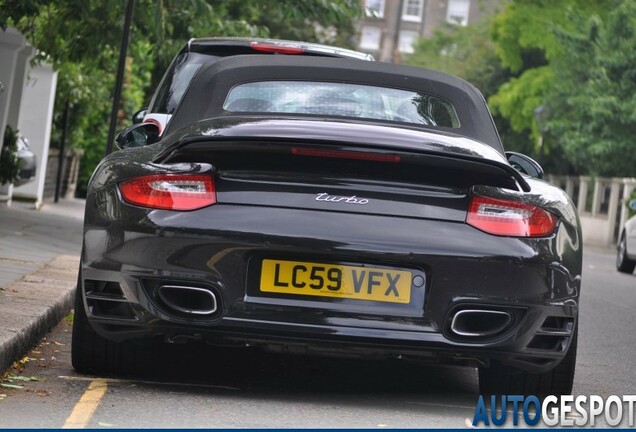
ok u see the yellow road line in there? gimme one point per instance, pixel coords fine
(150, 382)
(86, 406)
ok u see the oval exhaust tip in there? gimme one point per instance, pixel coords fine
(480, 322)
(188, 300)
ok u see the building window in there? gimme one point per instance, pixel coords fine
(370, 38)
(407, 40)
(458, 12)
(413, 10)
(374, 8)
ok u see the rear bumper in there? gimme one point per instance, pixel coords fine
(219, 248)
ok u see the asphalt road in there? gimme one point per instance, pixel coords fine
(215, 388)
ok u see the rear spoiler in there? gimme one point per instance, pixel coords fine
(206, 148)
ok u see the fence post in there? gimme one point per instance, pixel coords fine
(614, 203)
(582, 202)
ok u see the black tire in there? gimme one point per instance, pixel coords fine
(503, 380)
(623, 263)
(92, 353)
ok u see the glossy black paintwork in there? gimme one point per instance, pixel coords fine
(137, 135)
(269, 214)
(364, 135)
(214, 246)
(350, 132)
(525, 164)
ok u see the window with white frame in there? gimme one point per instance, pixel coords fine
(457, 12)
(413, 10)
(370, 38)
(407, 40)
(374, 8)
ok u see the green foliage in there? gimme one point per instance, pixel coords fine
(575, 57)
(9, 166)
(323, 21)
(81, 39)
(525, 36)
(527, 27)
(13, 10)
(517, 99)
(594, 93)
(467, 52)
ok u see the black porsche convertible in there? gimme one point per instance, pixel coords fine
(331, 207)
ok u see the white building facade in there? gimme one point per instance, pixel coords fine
(391, 24)
(27, 95)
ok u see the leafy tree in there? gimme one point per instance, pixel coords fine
(593, 98)
(526, 38)
(467, 52)
(576, 58)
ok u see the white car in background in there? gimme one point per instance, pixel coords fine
(626, 254)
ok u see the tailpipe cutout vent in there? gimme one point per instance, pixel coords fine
(479, 323)
(194, 301)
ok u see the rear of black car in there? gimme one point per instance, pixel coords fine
(342, 237)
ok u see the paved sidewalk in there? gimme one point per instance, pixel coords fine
(39, 256)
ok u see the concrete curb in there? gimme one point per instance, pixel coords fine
(32, 306)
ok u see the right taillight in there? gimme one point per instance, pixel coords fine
(509, 218)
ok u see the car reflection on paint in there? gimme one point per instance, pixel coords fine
(27, 161)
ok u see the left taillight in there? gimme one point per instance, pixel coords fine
(170, 191)
(509, 218)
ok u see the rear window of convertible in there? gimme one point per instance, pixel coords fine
(341, 100)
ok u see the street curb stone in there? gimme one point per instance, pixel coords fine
(32, 306)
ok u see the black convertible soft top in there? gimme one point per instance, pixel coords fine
(207, 92)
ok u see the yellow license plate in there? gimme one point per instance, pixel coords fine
(336, 281)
